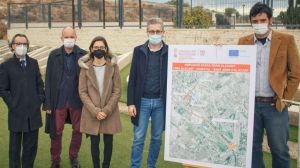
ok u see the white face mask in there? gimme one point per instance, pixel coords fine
(69, 42)
(21, 51)
(260, 29)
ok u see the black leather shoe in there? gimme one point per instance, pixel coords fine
(74, 163)
(55, 165)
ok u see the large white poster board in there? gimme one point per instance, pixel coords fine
(210, 105)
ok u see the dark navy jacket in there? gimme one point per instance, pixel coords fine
(22, 89)
(137, 77)
(54, 75)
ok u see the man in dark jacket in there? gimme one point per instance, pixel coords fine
(62, 98)
(147, 93)
(22, 89)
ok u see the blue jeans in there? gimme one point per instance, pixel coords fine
(277, 129)
(153, 108)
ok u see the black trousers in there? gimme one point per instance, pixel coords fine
(29, 143)
(108, 146)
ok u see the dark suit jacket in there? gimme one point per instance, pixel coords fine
(284, 65)
(54, 74)
(137, 77)
(22, 89)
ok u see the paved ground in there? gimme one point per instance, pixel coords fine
(124, 40)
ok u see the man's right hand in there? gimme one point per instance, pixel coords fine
(132, 110)
(48, 111)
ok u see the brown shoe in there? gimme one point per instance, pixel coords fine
(74, 163)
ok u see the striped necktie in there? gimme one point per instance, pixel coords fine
(23, 63)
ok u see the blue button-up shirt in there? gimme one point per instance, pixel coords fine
(263, 87)
(68, 84)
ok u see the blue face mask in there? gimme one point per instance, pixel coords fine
(99, 53)
(155, 39)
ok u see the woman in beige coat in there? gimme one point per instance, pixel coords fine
(100, 91)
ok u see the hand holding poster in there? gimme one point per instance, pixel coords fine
(210, 105)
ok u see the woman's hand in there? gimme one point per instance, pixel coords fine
(101, 116)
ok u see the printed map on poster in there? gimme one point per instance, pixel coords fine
(210, 105)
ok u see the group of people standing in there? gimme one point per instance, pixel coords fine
(83, 88)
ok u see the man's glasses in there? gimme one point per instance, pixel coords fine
(99, 47)
(155, 32)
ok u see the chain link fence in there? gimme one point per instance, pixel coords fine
(235, 13)
(135, 13)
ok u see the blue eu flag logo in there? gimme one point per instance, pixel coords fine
(234, 53)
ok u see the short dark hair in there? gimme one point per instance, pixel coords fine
(14, 39)
(260, 8)
(100, 38)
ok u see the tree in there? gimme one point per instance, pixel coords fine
(230, 11)
(292, 18)
(199, 18)
(283, 17)
(174, 2)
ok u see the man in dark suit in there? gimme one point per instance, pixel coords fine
(22, 89)
(277, 78)
(62, 97)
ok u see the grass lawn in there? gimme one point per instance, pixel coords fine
(293, 133)
(121, 150)
(124, 74)
(268, 160)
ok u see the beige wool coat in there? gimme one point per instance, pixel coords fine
(93, 103)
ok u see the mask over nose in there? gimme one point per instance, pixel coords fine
(99, 53)
(69, 42)
(21, 51)
(155, 39)
(261, 28)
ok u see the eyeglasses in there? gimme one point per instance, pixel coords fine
(20, 44)
(99, 47)
(155, 32)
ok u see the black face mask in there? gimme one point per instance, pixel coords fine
(99, 53)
